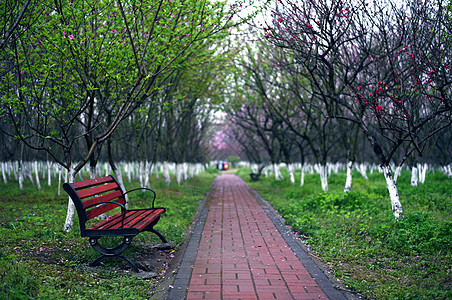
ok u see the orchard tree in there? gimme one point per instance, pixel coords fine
(313, 35)
(405, 91)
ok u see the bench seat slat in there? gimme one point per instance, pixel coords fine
(134, 219)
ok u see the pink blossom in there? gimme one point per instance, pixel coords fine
(280, 20)
(71, 36)
(113, 31)
(379, 107)
(310, 26)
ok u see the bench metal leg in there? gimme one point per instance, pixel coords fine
(115, 252)
(127, 260)
(162, 238)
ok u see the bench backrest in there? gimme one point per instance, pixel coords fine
(89, 195)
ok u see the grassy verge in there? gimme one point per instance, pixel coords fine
(39, 260)
(357, 237)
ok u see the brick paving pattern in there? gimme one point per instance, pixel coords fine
(242, 255)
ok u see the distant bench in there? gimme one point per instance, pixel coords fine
(101, 195)
(255, 176)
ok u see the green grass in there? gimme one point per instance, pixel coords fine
(358, 238)
(39, 260)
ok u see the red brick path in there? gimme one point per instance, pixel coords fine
(242, 255)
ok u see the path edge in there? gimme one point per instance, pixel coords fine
(330, 290)
(179, 287)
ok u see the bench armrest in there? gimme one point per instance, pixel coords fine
(147, 189)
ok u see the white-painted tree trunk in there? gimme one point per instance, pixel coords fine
(166, 174)
(422, 172)
(348, 180)
(323, 170)
(147, 174)
(5, 179)
(127, 167)
(179, 173)
(141, 173)
(60, 175)
(362, 169)
(302, 176)
(28, 171)
(447, 170)
(277, 172)
(107, 169)
(186, 167)
(49, 173)
(118, 176)
(397, 173)
(21, 175)
(397, 210)
(191, 170)
(414, 176)
(70, 207)
(38, 182)
(290, 168)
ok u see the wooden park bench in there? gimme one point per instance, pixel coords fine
(255, 176)
(100, 196)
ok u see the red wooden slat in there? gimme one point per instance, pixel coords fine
(99, 210)
(108, 223)
(134, 219)
(107, 197)
(131, 218)
(97, 190)
(148, 219)
(91, 182)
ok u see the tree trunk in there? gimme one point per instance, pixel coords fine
(422, 172)
(186, 176)
(92, 171)
(59, 180)
(397, 172)
(324, 177)
(348, 180)
(147, 171)
(117, 172)
(166, 174)
(38, 182)
(179, 173)
(70, 207)
(278, 175)
(141, 173)
(397, 210)
(363, 169)
(156, 170)
(21, 174)
(118, 176)
(291, 175)
(49, 173)
(302, 175)
(191, 170)
(414, 175)
(323, 172)
(5, 180)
